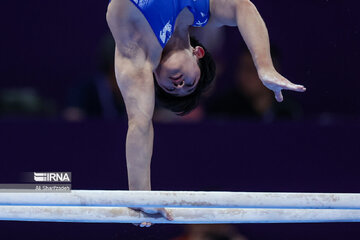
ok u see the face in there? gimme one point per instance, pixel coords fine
(178, 72)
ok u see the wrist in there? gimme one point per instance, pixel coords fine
(264, 66)
(263, 62)
(132, 188)
(140, 187)
(265, 69)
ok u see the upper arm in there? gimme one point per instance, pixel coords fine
(135, 80)
(224, 12)
(133, 69)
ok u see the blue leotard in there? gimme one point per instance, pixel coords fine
(162, 14)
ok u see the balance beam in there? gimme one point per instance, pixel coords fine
(185, 199)
(186, 207)
(180, 215)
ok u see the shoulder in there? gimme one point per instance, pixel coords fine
(133, 35)
(223, 12)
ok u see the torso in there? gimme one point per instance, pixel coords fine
(162, 15)
(135, 36)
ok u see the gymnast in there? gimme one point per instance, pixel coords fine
(156, 58)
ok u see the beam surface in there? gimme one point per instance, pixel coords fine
(180, 215)
(185, 199)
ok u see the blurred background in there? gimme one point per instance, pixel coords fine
(60, 110)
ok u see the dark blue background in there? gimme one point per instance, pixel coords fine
(50, 45)
(218, 156)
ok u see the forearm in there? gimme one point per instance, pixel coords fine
(139, 147)
(255, 34)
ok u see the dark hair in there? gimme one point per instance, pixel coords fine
(183, 105)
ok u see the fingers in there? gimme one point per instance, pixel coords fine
(297, 88)
(166, 214)
(276, 82)
(294, 87)
(143, 224)
(278, 96)
(153, 211)
(287, 85)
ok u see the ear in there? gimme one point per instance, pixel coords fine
(199, 52)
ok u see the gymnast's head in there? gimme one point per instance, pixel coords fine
(183, 76)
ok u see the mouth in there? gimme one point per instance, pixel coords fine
(176, 77)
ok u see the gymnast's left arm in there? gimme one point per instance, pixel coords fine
(244, 15)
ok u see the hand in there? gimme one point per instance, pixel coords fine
(275, 82)
(153, 212)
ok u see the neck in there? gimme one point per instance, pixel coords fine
(180, 38)
(178, 41)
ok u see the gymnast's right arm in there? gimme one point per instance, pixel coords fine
(134, 75)
(137, 88)
(135, 80)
